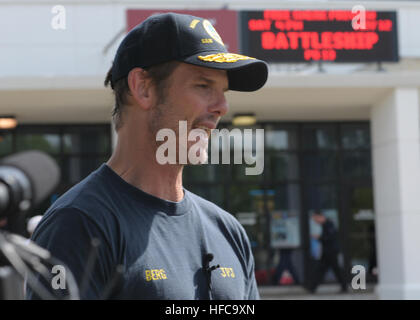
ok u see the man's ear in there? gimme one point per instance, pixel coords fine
(140, 86)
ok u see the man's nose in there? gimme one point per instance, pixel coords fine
(220, 107)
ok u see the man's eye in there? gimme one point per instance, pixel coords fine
(203, 85)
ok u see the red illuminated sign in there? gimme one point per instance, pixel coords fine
(318, 35)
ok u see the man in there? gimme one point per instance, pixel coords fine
(163, 241)
(330, 251)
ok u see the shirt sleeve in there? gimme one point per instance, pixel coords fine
(252, 289)
(251, 292)
(67, 233)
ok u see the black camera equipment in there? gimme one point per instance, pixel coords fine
(26, 179)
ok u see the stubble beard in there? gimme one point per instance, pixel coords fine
(157, 122)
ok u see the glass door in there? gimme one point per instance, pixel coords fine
(360, 234)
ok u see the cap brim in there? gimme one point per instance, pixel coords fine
(244, 73)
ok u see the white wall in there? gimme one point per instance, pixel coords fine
(31, 47)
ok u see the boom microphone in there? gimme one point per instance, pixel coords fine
(26, 179)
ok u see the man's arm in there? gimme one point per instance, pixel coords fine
(252, 289)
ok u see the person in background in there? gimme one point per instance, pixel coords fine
(330, 251)
(285, 263)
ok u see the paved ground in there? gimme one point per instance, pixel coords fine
(324, 292)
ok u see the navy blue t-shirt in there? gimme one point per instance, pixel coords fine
(159, 244)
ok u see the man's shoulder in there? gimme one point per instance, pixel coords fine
(89, 196)
(86, 201)
(210, 207)
(69, 220)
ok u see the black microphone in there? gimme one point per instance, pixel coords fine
(41, 171)
(208, 257)
(29, 177)
(26, 179)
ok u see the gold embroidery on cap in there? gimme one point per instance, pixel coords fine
(224, 57)
(194, 23)
(206, 40)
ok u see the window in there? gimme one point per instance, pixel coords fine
(47, 142)
(355, 136)
(320, 166)
(284, 166)
(85, 140)
(319, 137)
(5, 144)
(356, 164)
(281, 138)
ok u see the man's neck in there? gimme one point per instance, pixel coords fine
(140, 169)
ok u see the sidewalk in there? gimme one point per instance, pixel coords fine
(324, 292)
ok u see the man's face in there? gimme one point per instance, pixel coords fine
(195, 95)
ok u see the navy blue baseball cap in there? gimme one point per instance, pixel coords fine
(171, 36)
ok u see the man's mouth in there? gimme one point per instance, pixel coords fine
(206, 127)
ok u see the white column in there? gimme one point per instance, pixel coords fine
(396, 175)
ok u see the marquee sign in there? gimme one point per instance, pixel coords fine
(319, 35)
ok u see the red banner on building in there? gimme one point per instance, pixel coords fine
(224, 21)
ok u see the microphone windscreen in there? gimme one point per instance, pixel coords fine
(41, 170)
